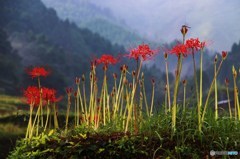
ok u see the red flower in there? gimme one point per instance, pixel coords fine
(38, 71)
(142, 51)
(106, 60)
(193, 44)
(224, 54)
(49, 94)
(179, 49)
(32, 93)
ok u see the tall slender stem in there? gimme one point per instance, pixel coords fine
(174, 108)
(200, 92)
(216, 96)
(168, 86)
(195, 77)
(210, 90)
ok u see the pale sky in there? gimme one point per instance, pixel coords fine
(217, 21)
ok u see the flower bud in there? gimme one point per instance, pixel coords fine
(165, 56)
(77, 80)
(153, 81)
(114, 75)
(133, 73)
(184, 82)
(184, 30)
(226, 81)
(224, 55)
(215, 59)
(234, 72)
(83, 78)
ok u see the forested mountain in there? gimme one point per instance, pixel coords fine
(98, 20)
(9, 63)
(40, 38)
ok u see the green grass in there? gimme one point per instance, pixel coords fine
(155, 139)
(9, 105)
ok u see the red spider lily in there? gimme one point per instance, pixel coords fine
(49, 94)
(38, 71)
(32, 93)
(224, 54)
(142, 51)
(180, 49)
(106, 60)
(193, 44)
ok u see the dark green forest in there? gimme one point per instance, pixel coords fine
(33, 35)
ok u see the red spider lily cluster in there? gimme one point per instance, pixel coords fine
(142, 51)
(106, 60)
(38, 71)
(193, 44)
(34, 95)
(190, 46)
(180, 49)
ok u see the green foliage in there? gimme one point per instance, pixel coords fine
(155, 140)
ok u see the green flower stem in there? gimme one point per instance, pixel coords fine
(130, 105)
(85, 103)
(235, 91)
(210, 90)
(229, 105)
(216, 96)
(200, 93)
(153, 91)
(29, 127)
(67, 114)
(238, 109)
(184, 98)
(168, 87)
(48, 114)
(34, 122)
(126, 107)
(118, 95)
(55, 117)
(195, 76)
(145, 97)
(75, 111)
(104, 99)
(79, 101)
(174, 108)
(166, 101)
(41, 109)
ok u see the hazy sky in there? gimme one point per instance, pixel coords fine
(217, 21)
